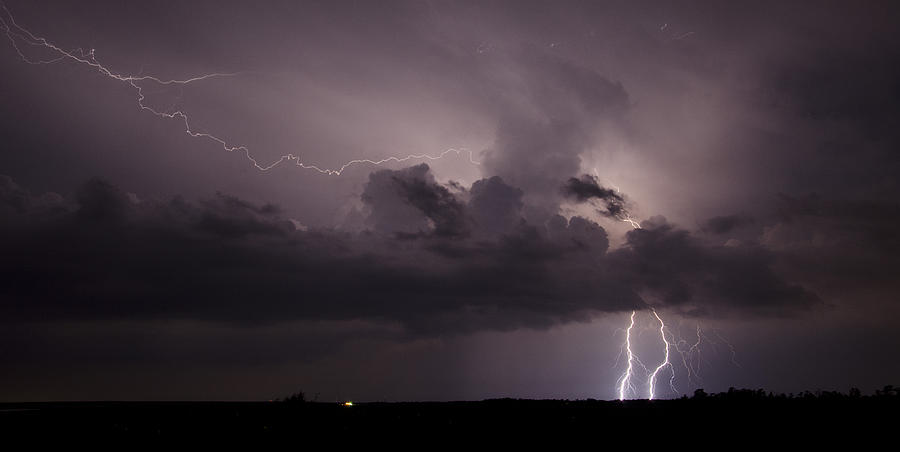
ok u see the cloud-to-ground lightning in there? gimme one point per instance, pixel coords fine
(691, 359)
(665, 363)
(625, 380)
(625, 383)
(16, 34)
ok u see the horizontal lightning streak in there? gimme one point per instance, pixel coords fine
(16, 33)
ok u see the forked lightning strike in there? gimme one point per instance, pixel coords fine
(625, 383)
(691, 359)
(16, 34)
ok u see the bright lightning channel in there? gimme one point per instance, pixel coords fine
(665, 362)
(16, 33)
(625, 381)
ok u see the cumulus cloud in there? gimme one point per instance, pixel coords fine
(410, 201)
(495, 206)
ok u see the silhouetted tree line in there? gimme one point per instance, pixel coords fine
(732, 394)
(760, 394)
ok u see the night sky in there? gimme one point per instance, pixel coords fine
(755, 143)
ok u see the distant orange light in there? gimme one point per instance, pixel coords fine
(348, 403)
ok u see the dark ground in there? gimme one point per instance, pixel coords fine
(739, 415)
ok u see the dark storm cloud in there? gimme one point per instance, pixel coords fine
(687, 274)
(848, 247)
(826, 95)
(587, 188)
(227, 260)
(838, 83)
(724, 224)
(223, 259)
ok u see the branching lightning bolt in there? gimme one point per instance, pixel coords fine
(625, 383)
(691, 358)
(16, 34)
(691, 354)
(730, 347)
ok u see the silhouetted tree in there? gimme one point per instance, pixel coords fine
(297, 397)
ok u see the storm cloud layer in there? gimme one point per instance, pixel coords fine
(431, 261)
